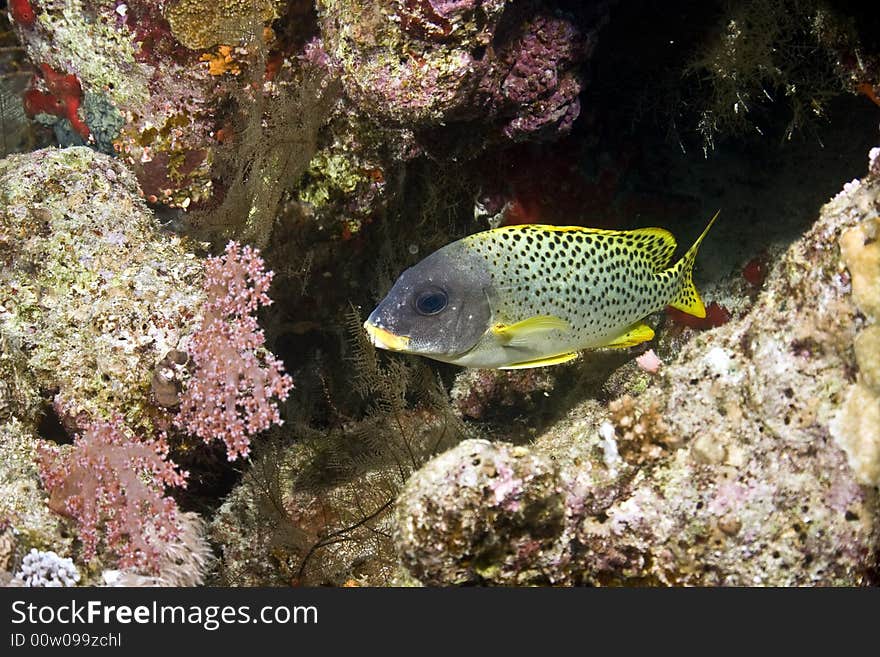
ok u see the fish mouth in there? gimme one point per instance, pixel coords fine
(386, 339)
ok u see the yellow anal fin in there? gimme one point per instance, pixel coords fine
(523, 333)
(635, 334)
(542, 362)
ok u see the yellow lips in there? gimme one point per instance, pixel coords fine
(385, 339)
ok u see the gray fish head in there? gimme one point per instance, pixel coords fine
(438, 308)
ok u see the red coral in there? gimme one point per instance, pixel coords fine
(152, 33)
(716, 315)
(229, 395)
(22, 12)
(62, 98)
(113, 485)
(755, 270)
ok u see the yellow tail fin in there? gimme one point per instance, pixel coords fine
(687, 299)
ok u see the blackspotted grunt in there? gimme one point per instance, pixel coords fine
(535, 295)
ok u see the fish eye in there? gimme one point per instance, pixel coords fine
(431, 302)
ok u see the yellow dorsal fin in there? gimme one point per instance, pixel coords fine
(542, 362)
(686, 298)
(657, 243)
(635, 334)
(522, 333)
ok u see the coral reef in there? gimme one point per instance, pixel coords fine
(347, 139)
(393, 69)
(316, 510)
(345, 182)
(194, 97)
(19, 397)
(93, 295)
(515, 538)
(511, 68)
(745, 464)
(122, 77)
(99, 312)
(541, 85)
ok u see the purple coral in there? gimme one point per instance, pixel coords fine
(112, 484)
(541, 84)
(229, 396)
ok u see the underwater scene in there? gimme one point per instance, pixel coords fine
(367, 293)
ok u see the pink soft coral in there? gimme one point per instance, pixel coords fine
(229, 395)
(113, 485)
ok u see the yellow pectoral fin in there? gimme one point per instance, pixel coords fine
(523, 333)
(635, 334)
(542, 362)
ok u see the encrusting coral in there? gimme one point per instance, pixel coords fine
(93, 294)
(759, 463)
(199, 25)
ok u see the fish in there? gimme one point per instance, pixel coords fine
(535, 295)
